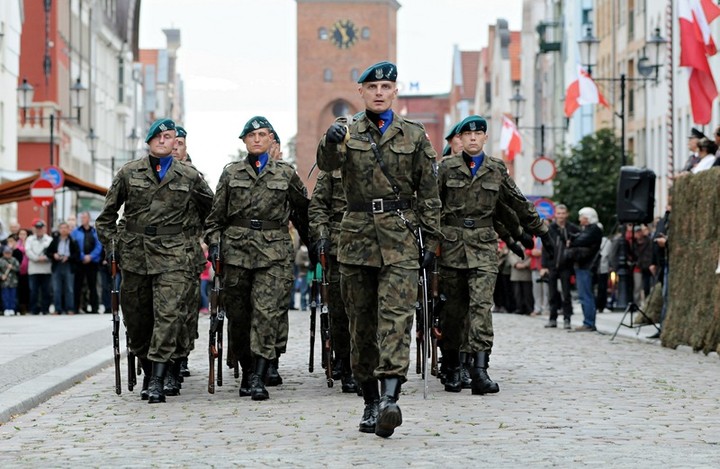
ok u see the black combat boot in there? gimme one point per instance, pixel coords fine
(172, 379)
(155, 387)
(442, 368)
(371, 396)
(337, 368)
(146, 366)
(184, 370)
(247, 368)
(273, 378)
(347, 380)
(452, 364)
(389, 415)
(466, 360)
(257, 388)
(481, 382)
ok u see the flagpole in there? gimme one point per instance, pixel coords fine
(669, 119)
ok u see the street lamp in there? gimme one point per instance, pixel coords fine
(25, 96)
(517, 104)
(133, 140)
(646, 65)
(92, 139)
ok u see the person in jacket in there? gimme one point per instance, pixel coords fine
(64, 255)
(86, 271)
(582, 251)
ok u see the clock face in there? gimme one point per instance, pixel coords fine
(344, 34)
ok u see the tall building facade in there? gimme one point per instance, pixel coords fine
(336, 41)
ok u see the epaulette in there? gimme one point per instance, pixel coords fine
(415, 123)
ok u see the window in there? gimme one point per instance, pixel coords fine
(354, 74)
(340, 108)
(365, 33)
(322, 34)
(328, 75)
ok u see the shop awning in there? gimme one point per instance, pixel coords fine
(17, 191)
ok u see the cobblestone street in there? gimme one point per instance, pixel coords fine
(566, 399)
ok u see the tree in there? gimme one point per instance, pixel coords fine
(588, 176)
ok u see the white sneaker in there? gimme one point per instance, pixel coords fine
(8, 312)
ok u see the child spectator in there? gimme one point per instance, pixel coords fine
(9, 271)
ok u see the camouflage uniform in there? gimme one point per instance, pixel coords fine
(469, 247)
(326, 211)
(249, 220)
(378, 254)
(152, 249)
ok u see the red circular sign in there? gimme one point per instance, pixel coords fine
(543, 169)
(42, 192)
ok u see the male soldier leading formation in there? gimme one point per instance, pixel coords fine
(472, 188)
(327, 207)
(157, 192)
(248, 229)
(387, 165)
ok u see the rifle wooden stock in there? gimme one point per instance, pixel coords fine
(216, 317)
(115, 306)
(325, 332)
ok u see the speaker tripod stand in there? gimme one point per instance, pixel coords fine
(633, 308)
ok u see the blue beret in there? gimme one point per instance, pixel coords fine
(453, 131)
(255, 123)
(181, 132)
(446, 150)
(378, 72)
(472, 124)
(160, 125)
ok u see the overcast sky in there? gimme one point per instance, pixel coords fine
(237, 59)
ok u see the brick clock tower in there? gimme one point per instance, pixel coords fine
(337, 40)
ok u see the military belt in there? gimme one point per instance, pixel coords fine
(380, 205)
(260, 225)
(468, 222)
(152, 230)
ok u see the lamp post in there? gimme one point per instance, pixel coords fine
(25, 95)
(517, 104)
(652, 60)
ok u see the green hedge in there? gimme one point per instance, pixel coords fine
(693, 316)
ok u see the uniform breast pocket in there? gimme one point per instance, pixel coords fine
(400, 155)
(456, 193)
(490, 194)
(179, 190)
(139, 184)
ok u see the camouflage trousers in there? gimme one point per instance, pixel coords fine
(339, 324)
(154, 311)
(189, 330)
(255, 302)
(380, 308)
(466, 318)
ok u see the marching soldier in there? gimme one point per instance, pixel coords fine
(387, 166)
(248, 228)
(472, 185)
(327, 207)
(189, 331)
(162, 197)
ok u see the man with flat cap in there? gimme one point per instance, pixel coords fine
(693, 141)
(387, 168)
(248, 229)
(473, 185)
(159, 194)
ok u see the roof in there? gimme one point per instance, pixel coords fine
(17, 191)
(469, 62)
(515, 51)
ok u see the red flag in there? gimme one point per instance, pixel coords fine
(582, 91)
(510, 141)
(696, 44)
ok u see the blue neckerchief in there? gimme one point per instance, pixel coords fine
(387, 118)
(476, 162)
(260, 162)
(163, 166)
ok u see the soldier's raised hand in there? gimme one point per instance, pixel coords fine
(213, 252)
(526, 240)
(548, 244)
(335, 133)
(322, 246)
(517, 249)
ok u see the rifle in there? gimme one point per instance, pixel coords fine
(435, 333)
(115, 306)
(131, 370)
(313, 312)
(217, 318)
(327, 356)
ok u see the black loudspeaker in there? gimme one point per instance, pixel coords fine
(635, 195)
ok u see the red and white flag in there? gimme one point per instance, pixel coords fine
(582, 91)
(696, 45)
(510, 141)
